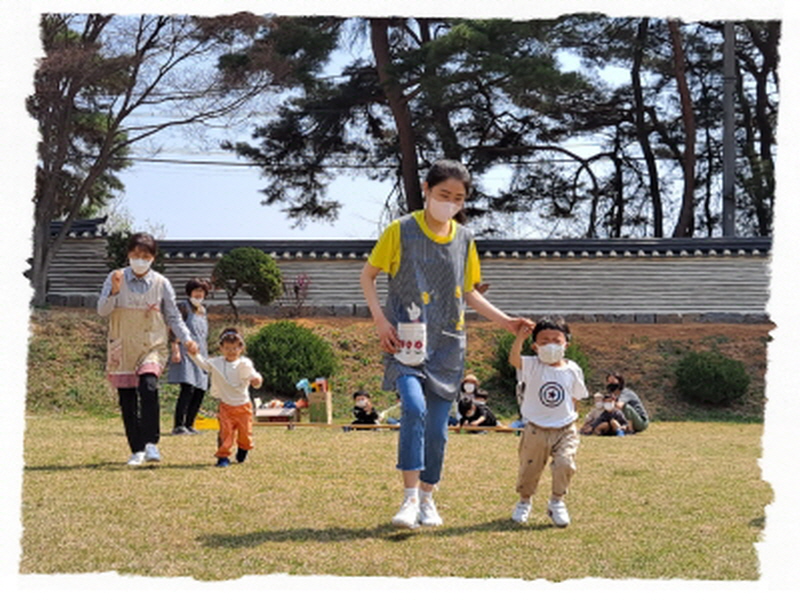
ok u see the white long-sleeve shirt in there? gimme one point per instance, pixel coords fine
(230, 380)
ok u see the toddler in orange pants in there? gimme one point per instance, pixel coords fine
(231, 376)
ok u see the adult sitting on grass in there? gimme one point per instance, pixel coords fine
(140, 303)
(628, 402)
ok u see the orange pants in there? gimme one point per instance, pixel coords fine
(234, 422)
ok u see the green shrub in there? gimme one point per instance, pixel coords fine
(284, 353)
(507, 375)
(251, 270)
(711, 378)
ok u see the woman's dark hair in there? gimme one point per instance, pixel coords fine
(143, 241)
(445, 169)
(194, 284)
(556, 323)
(618, 377)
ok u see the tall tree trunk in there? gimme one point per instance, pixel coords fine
(768, 45)
(685, 225)
(642, 130)
(440, 113)
(409, 166)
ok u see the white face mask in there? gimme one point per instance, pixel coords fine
(361, 403)
(195, 301)
(140, 266)
(442, 211)
(608, 405)
(469, 387)
(550, 353)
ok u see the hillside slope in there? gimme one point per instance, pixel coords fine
(67, 353)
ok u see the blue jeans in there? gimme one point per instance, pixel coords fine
(423, 430)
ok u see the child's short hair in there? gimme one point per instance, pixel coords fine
(556, 323)
(144, 241)
(195, 284)
(464, 405)
(360, 393)
(231, 334)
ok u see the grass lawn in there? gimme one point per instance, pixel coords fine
(682, 500)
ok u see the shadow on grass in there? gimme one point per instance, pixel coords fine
(341, 534)
(113, 466)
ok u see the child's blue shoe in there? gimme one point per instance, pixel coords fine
(223, 462)
(620, 433)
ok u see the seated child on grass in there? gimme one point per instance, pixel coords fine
(475, 414)
(231, 377)
(611, 421)
(363, 411)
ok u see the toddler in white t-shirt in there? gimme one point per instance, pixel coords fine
(552, 387)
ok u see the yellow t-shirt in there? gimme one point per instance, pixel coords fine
(386, 253)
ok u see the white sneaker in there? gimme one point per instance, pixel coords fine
(428, 515)
(151, 453)
(408, 515)
(557, 511)
(136, 459)
(521, 512)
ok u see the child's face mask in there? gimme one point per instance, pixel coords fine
(609, 406)
(361, 403)
(195, 301)
(469, 388)
(550, 353)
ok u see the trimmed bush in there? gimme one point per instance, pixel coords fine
(711, 378)
(507, 375)
(251, 270)
(284, 353)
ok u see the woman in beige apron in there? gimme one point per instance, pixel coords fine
(140, 303)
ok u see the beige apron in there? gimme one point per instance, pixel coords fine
(137, 335)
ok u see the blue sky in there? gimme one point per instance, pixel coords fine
(19, 47)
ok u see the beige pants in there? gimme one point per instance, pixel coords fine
(536, 446)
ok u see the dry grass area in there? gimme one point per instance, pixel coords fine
(682, 500)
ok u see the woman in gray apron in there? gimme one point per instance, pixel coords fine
(433, 268)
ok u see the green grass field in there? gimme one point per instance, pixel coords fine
(681, 500)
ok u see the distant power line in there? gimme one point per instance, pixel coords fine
(226, 163)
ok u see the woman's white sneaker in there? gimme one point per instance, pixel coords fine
(408, 515)
(428, 515)
(136, 459)
(151, 453)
